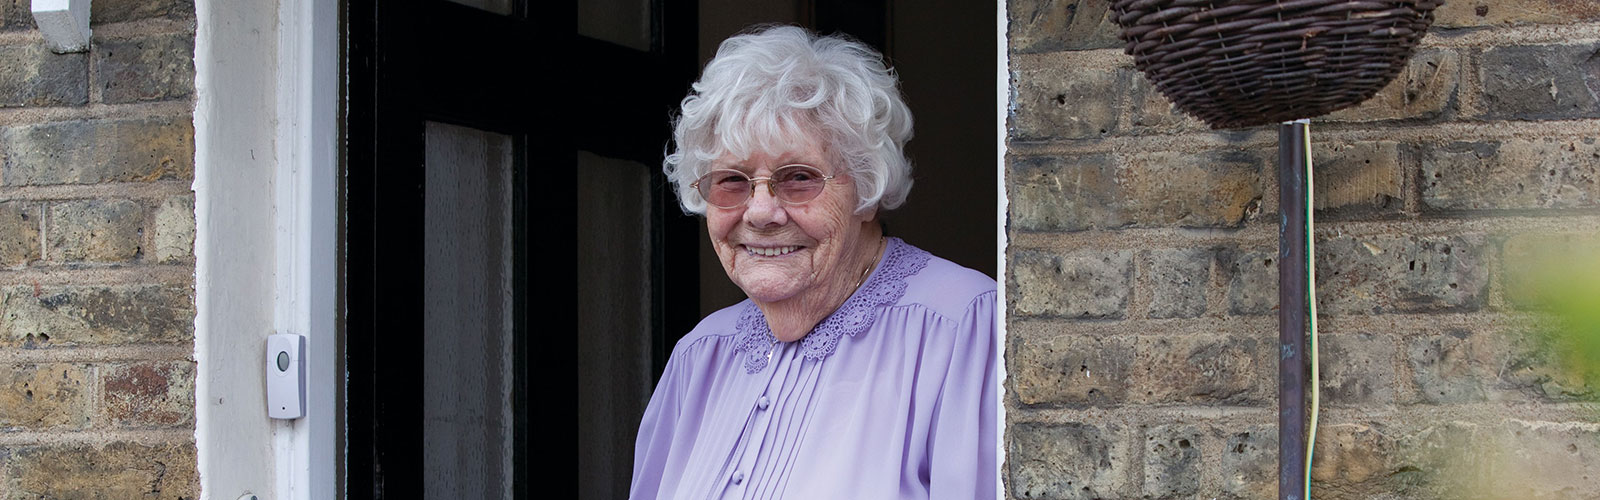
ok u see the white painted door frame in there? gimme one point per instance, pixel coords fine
(266, 248)
(306, 192)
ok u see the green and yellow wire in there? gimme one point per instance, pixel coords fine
(1311, 300)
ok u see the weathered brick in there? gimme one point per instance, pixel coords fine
(1543, 364)
(16, 14)
(1511, 175)
(149, 394)
(95, 315)
(90, 152)
(1252, 281)
(19, 233)
(1072, 370)
(1048, 26)
(1064, 193)
(1522, 364)
(1507, 459)
(44, 397)
(1202, 369)
(1081, 371)
(1210, 189)
(1352, 461)
(1541, 82)
(1441, 459)
(149, 68)
(1219, 188)
(1081, 284)
(1424, 91)
(1357, 369)
(1250, 464)
(1171, 461)
(119, 469)
(1068, 461)
(1544, 459)
(1396, 273)
(1471, 13)
(1456, 367)
(96, 231)
(31, 75)
(1153, 113)
(116, 11)
(174, 238)
(1177, 280)
(1067, 104)
(1361, 177)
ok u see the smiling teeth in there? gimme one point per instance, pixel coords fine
(771, 252)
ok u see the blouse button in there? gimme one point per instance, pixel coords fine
(762, 402)
(738, 478)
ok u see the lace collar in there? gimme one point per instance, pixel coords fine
(884, 287)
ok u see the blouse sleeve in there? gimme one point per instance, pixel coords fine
(962, 436)
(654, 444)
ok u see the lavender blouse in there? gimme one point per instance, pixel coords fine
(892, 396)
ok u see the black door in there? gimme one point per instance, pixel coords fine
(509, 242)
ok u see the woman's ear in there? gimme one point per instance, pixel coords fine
(869, 214)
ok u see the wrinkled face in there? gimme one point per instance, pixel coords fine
(776, 251)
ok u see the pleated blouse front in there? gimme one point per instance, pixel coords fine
(892, 396)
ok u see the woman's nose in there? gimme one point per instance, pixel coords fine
(764, 209)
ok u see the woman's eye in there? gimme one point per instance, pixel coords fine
(798, 176)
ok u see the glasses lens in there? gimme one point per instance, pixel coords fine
(725, 188)
(798, 183)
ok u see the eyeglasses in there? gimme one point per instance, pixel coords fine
(791, 184)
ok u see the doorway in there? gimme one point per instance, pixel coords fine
(508, 243)
(516, 268)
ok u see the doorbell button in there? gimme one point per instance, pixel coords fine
(286, 376)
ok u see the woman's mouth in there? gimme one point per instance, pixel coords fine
(771, 251)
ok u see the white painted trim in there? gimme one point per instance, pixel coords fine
(1002, 106)
(266, 125)
(203, 68)
(306, 243)
(234, 123)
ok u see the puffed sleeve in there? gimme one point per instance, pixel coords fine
(653, 447)
(962, 441)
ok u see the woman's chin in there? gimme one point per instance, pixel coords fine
(770, 289)
(773, 279)
(769, 295)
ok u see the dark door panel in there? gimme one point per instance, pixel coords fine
(463, 188)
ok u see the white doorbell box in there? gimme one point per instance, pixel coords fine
(286, 376)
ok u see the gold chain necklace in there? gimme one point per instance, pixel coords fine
(882, 243)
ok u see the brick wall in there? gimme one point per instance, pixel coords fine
(96, 263)
(1141, 278)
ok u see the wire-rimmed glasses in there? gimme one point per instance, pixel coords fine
(791, 184)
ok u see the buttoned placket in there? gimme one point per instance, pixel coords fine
(747, 448)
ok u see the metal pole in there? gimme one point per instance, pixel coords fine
(1291, 310)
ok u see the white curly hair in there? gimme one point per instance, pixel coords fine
(773, 84)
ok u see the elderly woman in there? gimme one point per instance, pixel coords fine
(860, 366)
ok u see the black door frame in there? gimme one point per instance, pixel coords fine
(440, 61)
(407, 65)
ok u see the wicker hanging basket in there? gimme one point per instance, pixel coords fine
(1241, 63)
